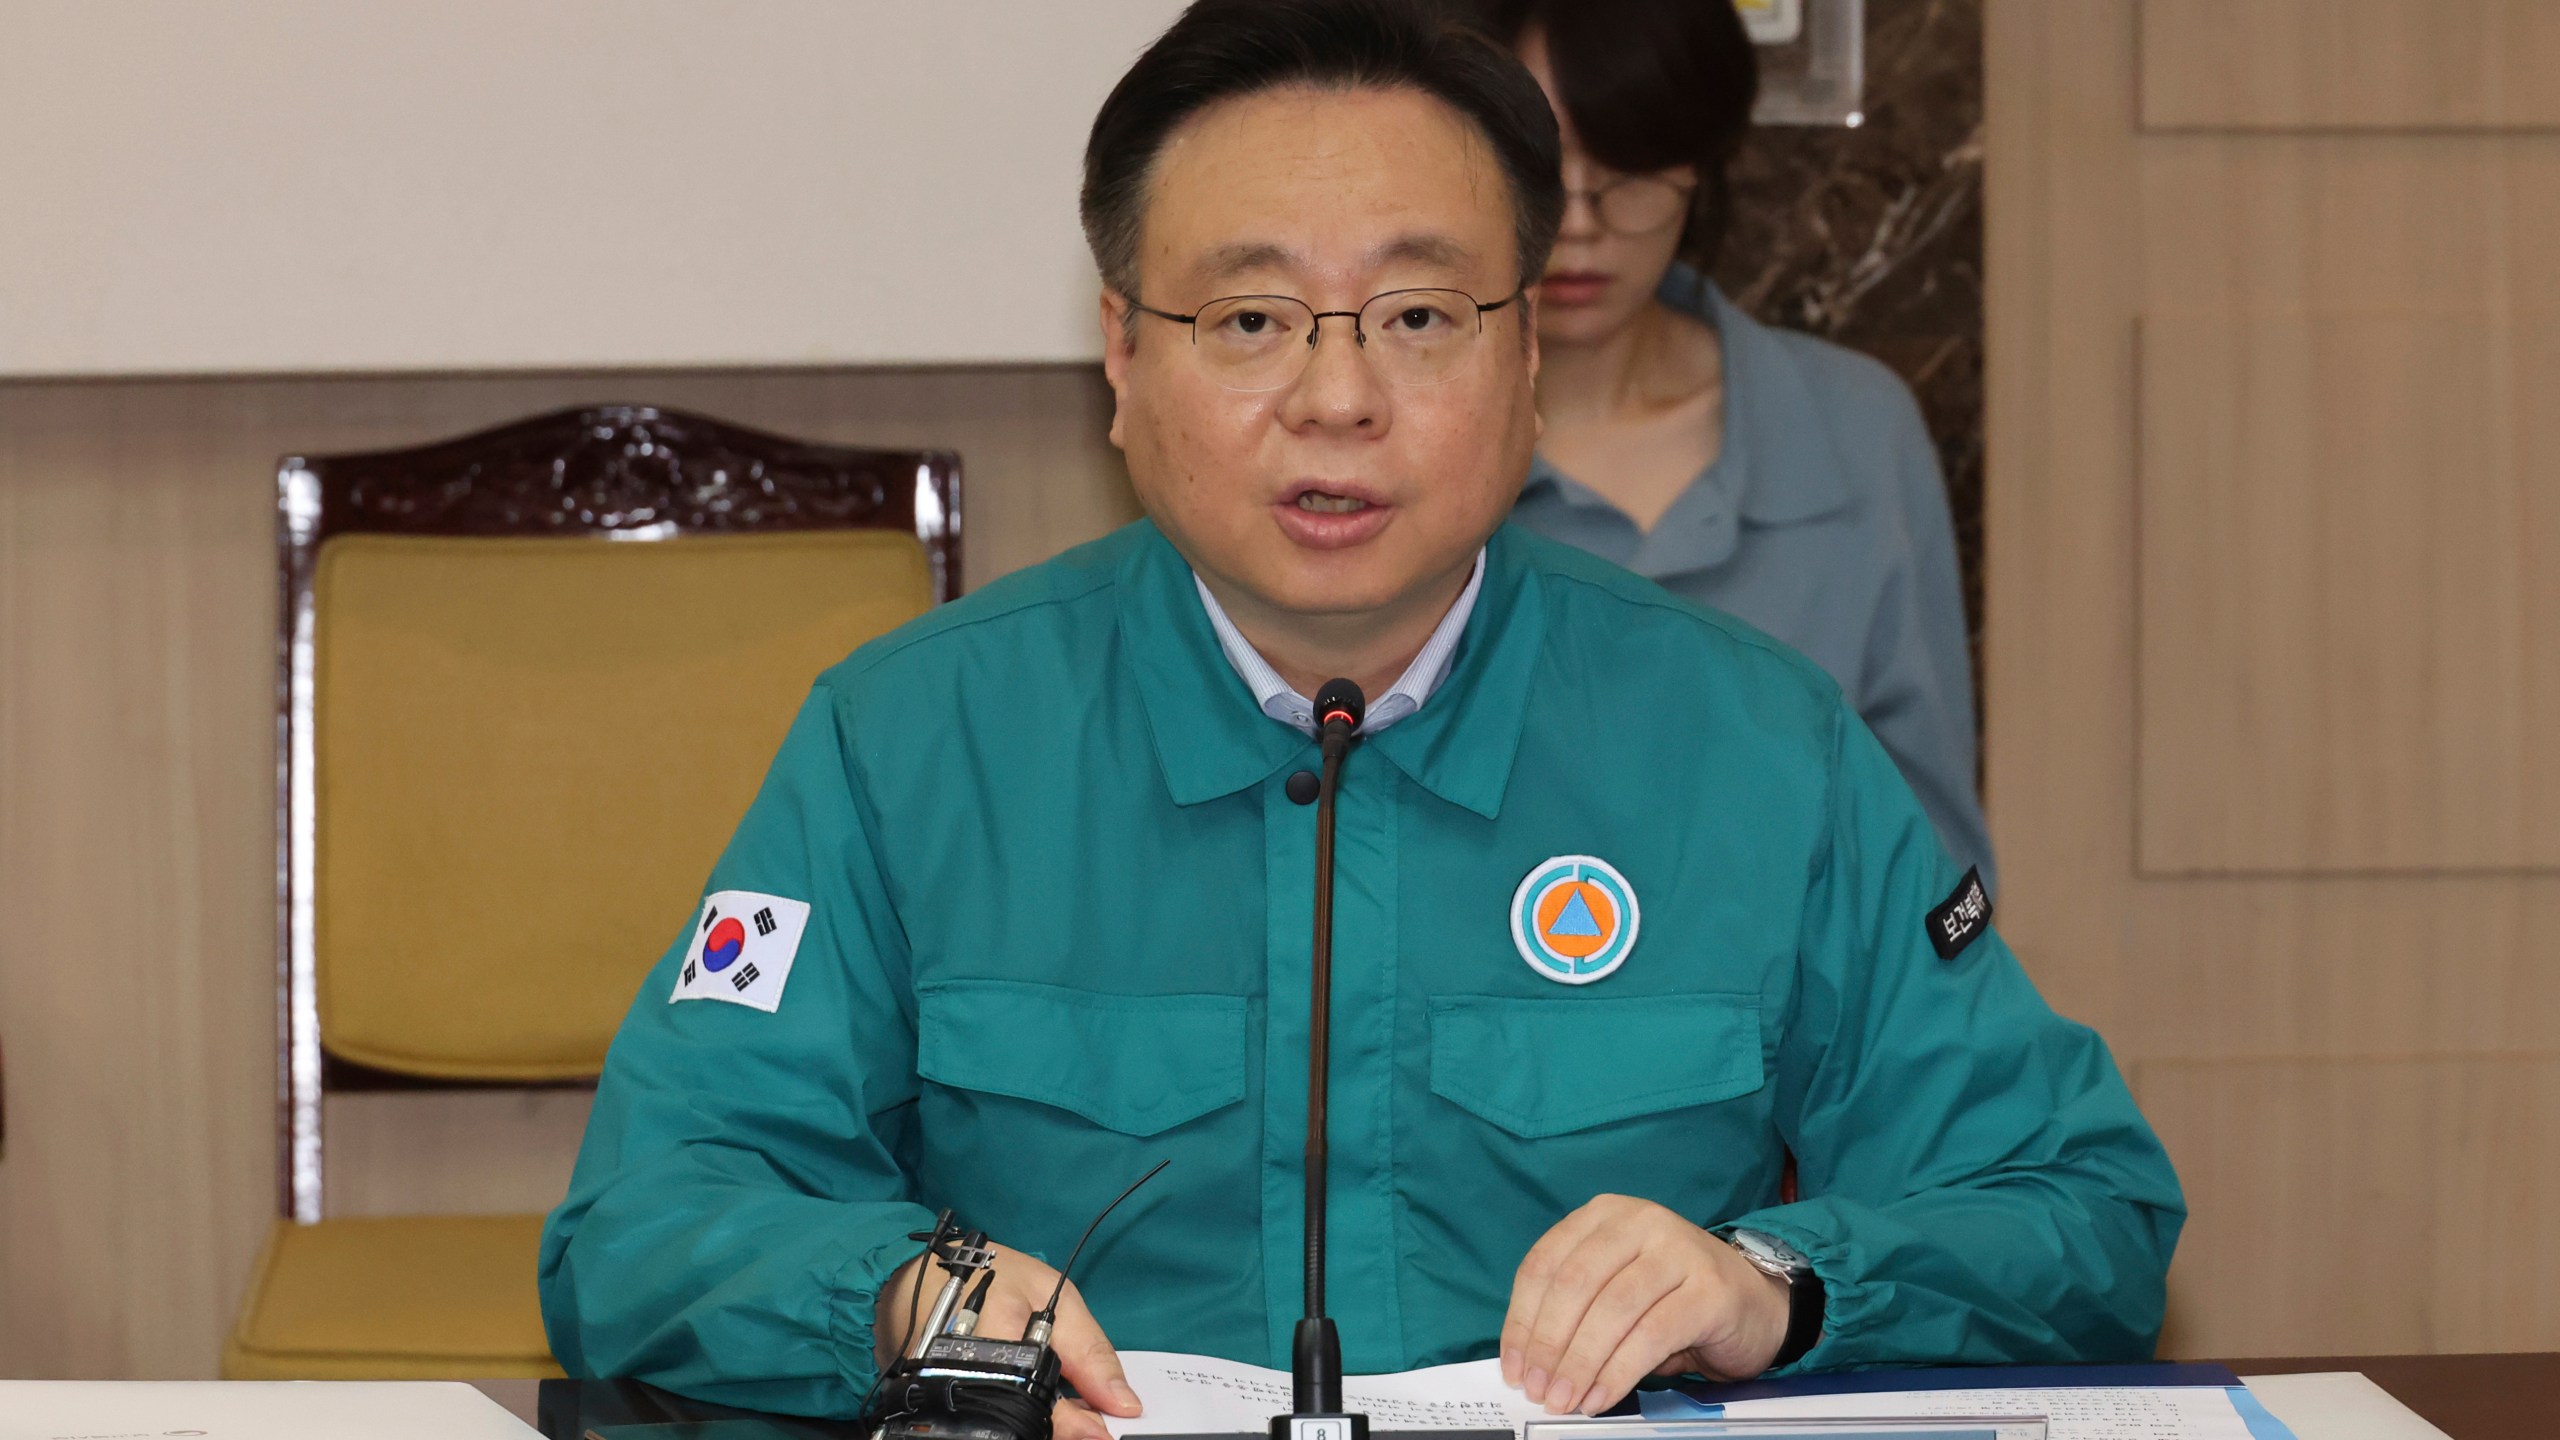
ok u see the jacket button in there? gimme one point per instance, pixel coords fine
(1302, 787)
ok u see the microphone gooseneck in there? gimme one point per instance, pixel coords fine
(1316, 1352)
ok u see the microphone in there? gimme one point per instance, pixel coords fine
(1315, 1351)
(1339, 707)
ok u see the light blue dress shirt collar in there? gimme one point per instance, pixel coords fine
(1287, 706)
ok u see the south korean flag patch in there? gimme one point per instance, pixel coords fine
(742, 948)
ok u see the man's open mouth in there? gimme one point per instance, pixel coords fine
(1323, 504)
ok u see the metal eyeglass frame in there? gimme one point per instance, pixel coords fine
(1316, 329)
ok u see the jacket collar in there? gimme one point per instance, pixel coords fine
(1212, 739)
(1461, 745)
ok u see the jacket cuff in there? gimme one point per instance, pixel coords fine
(1851, 1307)
(854, 1292)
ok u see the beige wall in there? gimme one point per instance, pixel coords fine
(313, 185)
(2274, 488)
(137, 859)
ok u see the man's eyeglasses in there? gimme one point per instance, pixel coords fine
(1263, 342)
(1636, 204)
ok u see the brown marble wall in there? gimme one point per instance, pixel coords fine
(1872, 236)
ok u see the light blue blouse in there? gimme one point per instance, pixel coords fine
(1822, 521)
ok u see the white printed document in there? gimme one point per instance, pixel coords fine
(1193, 1394)
(1197, 1394)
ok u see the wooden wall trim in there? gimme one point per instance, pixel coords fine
(2369, 65)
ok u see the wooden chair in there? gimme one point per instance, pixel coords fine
(527, 682)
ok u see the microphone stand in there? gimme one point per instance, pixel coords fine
(1315, 1352)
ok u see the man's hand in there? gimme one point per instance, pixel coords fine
(1623, 1288)
(1022, 1285)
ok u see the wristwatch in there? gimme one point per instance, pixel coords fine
(1776, 1258)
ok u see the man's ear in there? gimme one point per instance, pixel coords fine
(1117, 341)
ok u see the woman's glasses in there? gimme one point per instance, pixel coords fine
(1636, 204)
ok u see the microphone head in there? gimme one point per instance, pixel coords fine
(1339, 700)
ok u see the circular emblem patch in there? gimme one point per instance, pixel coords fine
(1574, 919)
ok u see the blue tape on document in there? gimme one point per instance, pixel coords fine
(1693, 1398)
(2261, 1424)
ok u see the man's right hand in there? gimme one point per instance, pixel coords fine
(1022, 1285)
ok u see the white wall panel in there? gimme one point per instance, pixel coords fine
(313, 186)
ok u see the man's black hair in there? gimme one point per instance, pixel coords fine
(1649, 84)
(1222, 49)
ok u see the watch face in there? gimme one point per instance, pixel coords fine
(1769, 1252)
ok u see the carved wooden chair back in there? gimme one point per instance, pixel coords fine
(528, 680)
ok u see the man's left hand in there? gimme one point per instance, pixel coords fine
(1623, 1288)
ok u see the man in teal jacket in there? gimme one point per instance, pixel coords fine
(1630, 905)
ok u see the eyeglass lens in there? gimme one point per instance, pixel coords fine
(1637, 204)
(1410, 337)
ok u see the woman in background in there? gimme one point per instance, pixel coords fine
(1774, 476)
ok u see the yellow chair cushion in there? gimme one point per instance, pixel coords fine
(419, 1297)
(530, 752)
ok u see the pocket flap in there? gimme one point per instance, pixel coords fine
(1138, 1064)
(1547, 1067)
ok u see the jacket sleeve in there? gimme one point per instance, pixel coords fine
(1916, 691)
(1977, 1185)
(740, 1196)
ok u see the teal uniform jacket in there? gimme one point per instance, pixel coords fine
(1059, 906)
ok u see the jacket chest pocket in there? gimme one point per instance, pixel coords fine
(1545, 1068)
(1136, 1064)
